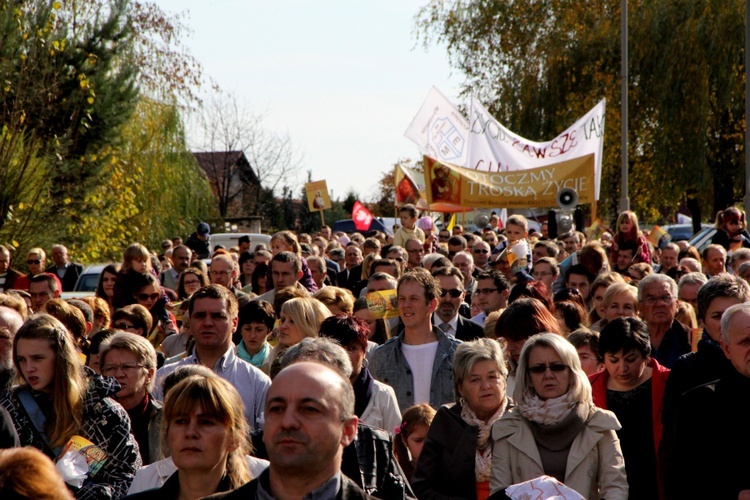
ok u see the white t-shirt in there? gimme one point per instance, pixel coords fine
(421, 358)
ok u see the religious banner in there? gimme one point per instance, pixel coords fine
(536, 187)
(317, 196)
(494, 148)
(410, 188)
(440, 130)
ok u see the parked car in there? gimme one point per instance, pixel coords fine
(702, 238)
(228, 240)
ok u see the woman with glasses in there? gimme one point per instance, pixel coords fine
(456, 458)
(555, 429)
(632, 386)
(59, 399)
(149, 294)
(131, 360)
(190, 281)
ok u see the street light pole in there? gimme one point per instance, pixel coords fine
(625, 200)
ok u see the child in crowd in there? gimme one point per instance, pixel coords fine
(517, 247)
(731, 232)
(408, 215)
(135, 260)
(410, 435)
(628, 232)
(256, 321)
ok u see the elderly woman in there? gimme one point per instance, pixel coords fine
(632, 386)
(375, 403)
(555, 429)
(619, 301)
(456, 458)
(131, 360)
(206, 433)
(190, 281)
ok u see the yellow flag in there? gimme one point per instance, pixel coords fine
(452, 222)
(655, 235)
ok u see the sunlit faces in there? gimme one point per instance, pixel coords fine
(515, 233)
(483, 388)
(357, 356)
(714, 262)
(352, 256)
(191, 283)
(40, 293)
(132, 376)
(489, 297)
(199, 442)
(597, 300)
(465, 264)
(147, 296)
(415, 441)
(108, 284)
(737, 350)
(181, 259)
(580, 282)
(712, 321)
(554, 380)
(627, 370)
(544, 272)
(36, 359)
(289, 334)
(448, 305)
(366, 315)
(254, 335)
(668, 259)
(36, 263)
(688, 292)
(570, 244)
(278, 245)
(589, 362)
(4, 262)
(413, 307)
(658, 305)
(622, 305)
(407, 220)
(139, 266)
(284, 274)
(210, 323)
(222, 273)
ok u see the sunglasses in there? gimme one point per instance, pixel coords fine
(123, 326)
(555, 367)
(455, 293)
(146, 296)
(33, 261)
(481, 251)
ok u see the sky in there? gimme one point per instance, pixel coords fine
(343, 79)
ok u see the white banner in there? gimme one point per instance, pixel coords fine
(440, 130)
(494, 148)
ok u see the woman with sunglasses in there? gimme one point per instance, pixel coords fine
(632, 386)
(59, 399)
(555, 429)
(149, 294)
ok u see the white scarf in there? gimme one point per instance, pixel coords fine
(546, 412)
(483, 461)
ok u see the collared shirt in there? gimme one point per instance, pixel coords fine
(453, 324)
(480, 318)
(327, 490)
(250, 382)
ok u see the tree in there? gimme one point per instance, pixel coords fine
(540, 66)
(226, 125)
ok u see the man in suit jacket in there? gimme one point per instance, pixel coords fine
(8, 275)
(352, 273)
(309, 419)
(446, 316)
(67, 271)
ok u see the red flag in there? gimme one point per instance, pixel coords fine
(361, 216)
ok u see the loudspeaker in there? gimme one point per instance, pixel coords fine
(567, 198)
(481, 221)
(552, 224)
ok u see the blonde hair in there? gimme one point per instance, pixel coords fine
(135, 251)
(336, 296)
(307, 313)
(217, 399)
(68, 384)
(289, 239)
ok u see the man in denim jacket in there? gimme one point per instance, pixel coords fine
(417, 363)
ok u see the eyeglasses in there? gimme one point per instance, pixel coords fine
(455, 293)
(123, 326)
(651, 301)
(486, 291)
(191, 282)
(148, 296)
(444, 238)
(555, 367)
(110, 370)
(33, 261)
(418, 250)
(220, 272)
(478, 250)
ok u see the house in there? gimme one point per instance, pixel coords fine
(234, 182)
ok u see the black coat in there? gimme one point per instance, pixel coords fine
(467, 330)
(70, 278)
(350, 282)
(445, 468)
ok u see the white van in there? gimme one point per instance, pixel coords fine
(228, 240)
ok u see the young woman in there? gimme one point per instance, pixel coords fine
(106, 287)
(58, 399)
(410, 436)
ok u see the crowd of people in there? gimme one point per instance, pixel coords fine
(431, 363)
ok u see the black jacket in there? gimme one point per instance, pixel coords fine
(467, 330)
(202, 248)
(368, 461)
(355, 276)
(347, 491)
(70, 278)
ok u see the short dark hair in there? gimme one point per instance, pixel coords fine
(624, 334)
(458, 240)
(580, 270)
(257, 311)
(244, 239)
(286, 257)
(552, 249)
(346, 330)
(45, 278)
(216, 292)
(500, 280)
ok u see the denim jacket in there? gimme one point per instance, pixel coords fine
(388, 364)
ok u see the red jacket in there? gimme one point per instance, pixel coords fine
(659, 377)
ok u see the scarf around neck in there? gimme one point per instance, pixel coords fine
(483, 456)
(363, 387)
(547, 412)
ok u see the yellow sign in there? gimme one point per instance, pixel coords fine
(383, 304)
(317, 196)
(534, 187)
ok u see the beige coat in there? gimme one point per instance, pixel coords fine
(595, 468)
